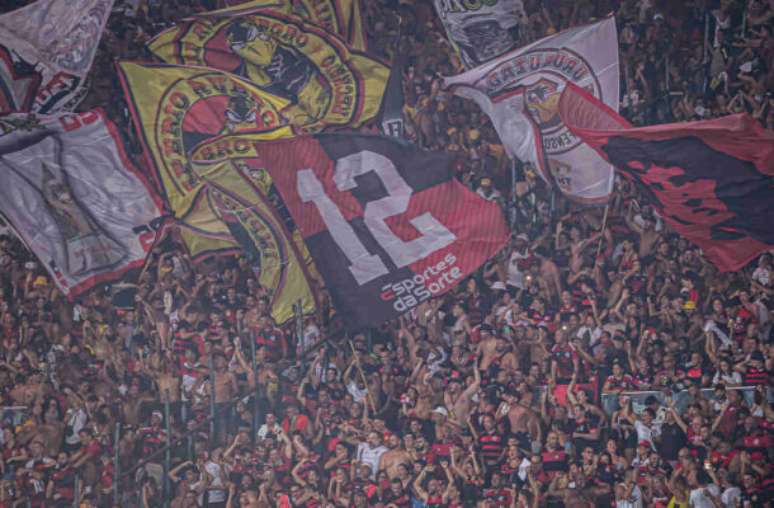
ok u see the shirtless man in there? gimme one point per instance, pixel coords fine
(225, 382)
(524, 422)
(647, 231)
(226, 389)
(391, 460)
(458, 401)
(487, 348)
(495, 351)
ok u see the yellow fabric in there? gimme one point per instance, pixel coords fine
(284, 6)
(673, 503)
(177, 107)
(229, 191)
(342, 17)
(341, 87)
(182, 112)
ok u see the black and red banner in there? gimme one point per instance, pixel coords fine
(710, 180)
(386, 223)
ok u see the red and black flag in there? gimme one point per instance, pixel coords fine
(710, 180)
(387, 224)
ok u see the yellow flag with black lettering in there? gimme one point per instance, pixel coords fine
(180, 111)
(266, 243)
(175, 108)
(326, 82)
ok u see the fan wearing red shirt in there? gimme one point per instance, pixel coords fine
(272, 338)
(554, 457)
(60, 484)
(618, 381)
(564, 358)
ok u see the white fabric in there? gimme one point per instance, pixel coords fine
(700, 499)
(71, 194)
(59, 39)
(520, 92)
(481, 31)
(359, 395)
(645, 433)
(76, 420)
(370, 456)
(215, 490)
(635, 501)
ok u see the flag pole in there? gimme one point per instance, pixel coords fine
(362, 377)
(604, 227)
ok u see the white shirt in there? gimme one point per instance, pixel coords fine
(699, 499)
(357, 394)
(76, 420)
(275, 429)
(516, 276)
(731, 496)
(635, 501)
(370, 456)
(216, 494)
(645, 433)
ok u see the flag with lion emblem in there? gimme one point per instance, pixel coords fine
(325, 82)
(520, 92)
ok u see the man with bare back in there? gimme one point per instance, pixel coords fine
(458, 401)
(225, 390)
(394, 457)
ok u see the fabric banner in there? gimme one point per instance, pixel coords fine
(342, 17)
(73, 196)
(325, 82)
(394, 101)
(176, 108)
(387, 224)
(46, 51)
(266, 243)
(189, 120)
(711, 181)
(520, 92)
(481, 30)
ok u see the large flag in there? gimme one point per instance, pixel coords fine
(387, 224)
(342, 17)
(176, 108)
(46, 51)
(75, 199)
(325, 82)
(710, 180)
(196, 124)
(235, 194)
(520, 92)
(481, 30)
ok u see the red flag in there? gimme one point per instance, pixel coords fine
(386, 223)
(710, 180)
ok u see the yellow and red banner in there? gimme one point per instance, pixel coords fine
(184, 112)
(175, 108)
(325, 82)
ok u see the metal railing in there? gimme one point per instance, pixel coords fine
(681, 399)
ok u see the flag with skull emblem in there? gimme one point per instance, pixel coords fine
(520, 92)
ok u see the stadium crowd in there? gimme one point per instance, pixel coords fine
(516, 389)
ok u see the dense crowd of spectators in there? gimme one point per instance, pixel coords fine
(502, 393)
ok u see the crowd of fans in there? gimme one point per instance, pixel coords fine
(515, 389)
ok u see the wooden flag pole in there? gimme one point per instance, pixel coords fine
(362, 376)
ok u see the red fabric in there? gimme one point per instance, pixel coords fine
(710, 180)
